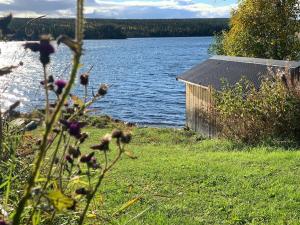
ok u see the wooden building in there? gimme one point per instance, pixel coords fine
(203, 79)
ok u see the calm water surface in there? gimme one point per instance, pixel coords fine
(142, 73)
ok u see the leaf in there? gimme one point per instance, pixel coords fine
(130, 154)
(60, 201)
(36, 218)
(77, 180)
(91, 216)
(127, 205)
(77, 101)
(72, 44)
(7, 70)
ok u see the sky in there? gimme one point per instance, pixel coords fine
(121, 9)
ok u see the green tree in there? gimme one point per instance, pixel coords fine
(263, 28)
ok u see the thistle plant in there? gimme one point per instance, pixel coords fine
(61, 160)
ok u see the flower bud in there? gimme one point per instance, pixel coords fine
(69, 159)
(50, 79)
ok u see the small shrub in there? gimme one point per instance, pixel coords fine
(249, 115)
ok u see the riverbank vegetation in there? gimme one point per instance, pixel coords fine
(117, 28)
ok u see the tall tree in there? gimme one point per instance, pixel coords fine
(263, 28)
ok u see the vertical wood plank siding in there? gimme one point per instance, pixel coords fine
(199, 102)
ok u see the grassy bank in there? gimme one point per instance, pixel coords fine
(181, 179)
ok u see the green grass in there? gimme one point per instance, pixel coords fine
(185, 180)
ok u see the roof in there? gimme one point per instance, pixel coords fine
(212, 71)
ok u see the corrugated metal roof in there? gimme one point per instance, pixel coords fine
(212, 71)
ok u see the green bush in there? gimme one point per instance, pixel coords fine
(248, 115)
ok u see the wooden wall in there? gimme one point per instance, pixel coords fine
(199, 111)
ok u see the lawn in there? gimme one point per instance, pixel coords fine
(181, 179)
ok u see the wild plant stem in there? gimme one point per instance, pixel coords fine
(48, 176)
(85, 93)
(62, 163)
(46, 93)
(91, 196)
(54, 117)
(1, 132)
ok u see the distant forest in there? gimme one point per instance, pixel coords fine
(118, 29)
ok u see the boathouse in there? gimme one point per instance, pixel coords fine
(203, 79)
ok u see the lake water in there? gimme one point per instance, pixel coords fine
(142, 73)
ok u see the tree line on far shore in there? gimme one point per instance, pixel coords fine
(118, 29)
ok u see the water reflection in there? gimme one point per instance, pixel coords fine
(141, 71)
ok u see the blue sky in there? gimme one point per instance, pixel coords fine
(122, 9)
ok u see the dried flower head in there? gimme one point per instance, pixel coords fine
(87, 158)
(103, 89)
(117, 133)
(84, 79)
(104, 143)
(50, 79)
(83, 137)
(126, 138)
(75, 152)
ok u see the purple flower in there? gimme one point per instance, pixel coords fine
(75, 129)
(2, 222)
(44, 47)
(60, 84)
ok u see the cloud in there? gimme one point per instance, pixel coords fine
(128, 9)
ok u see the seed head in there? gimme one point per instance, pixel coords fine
(103, 89)
(84, 79)
(117, 133)
(87, 158)
(75, 152)
(126, 138)
(83, 137)
(69, 159)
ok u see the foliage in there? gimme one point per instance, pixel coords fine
(110, 28)
(263, 29)
(216, 46)
(250, 115)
